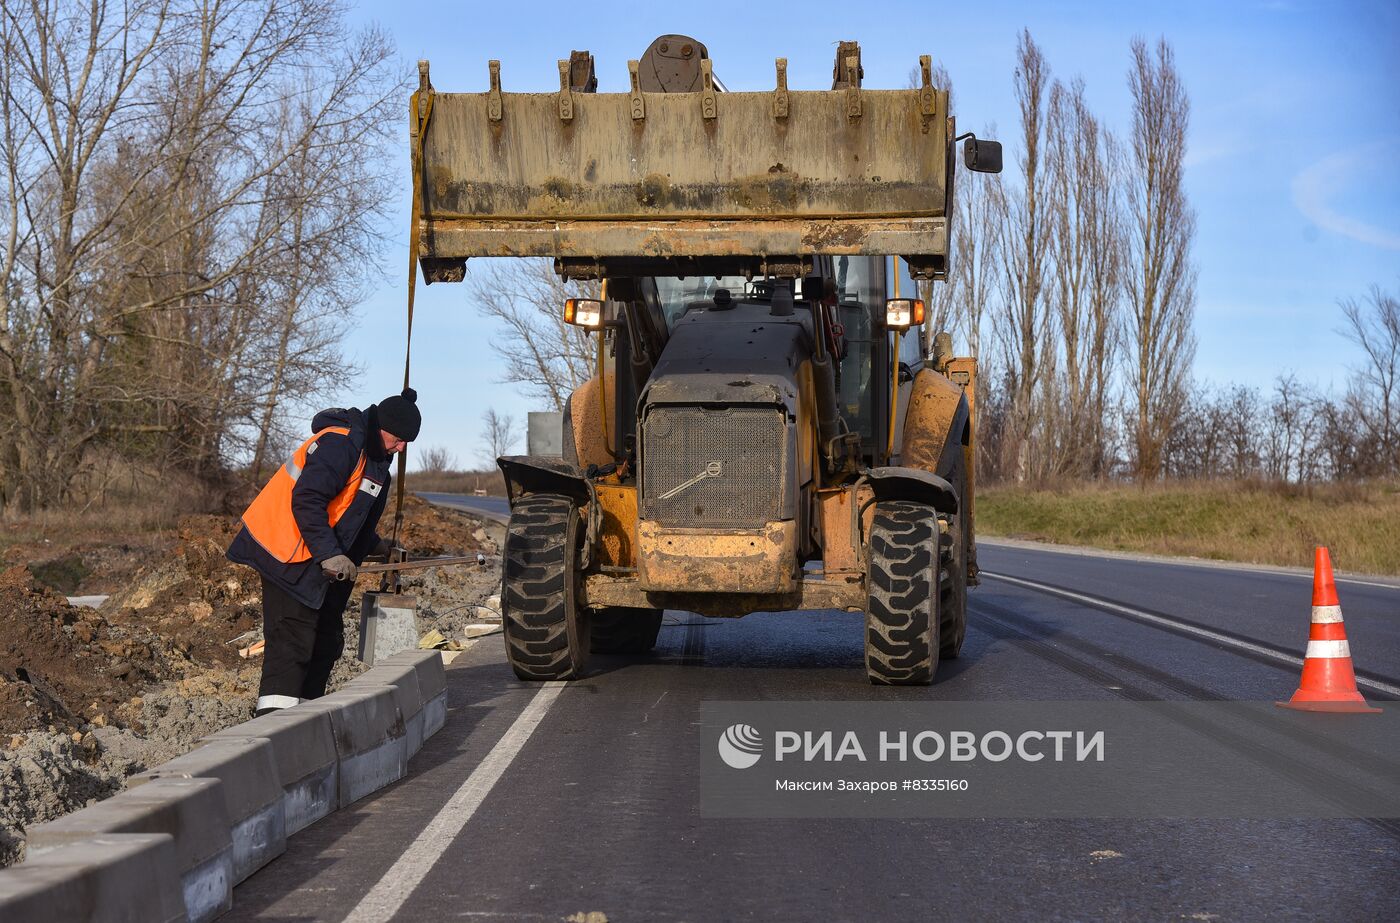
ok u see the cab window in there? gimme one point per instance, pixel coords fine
(859, 286)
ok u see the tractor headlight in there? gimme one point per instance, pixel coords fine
(584, 312)
(903, 313)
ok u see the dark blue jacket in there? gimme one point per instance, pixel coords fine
(323, 476)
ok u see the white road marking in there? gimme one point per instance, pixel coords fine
(1198, 631)
(388, 896)
(1208, 563)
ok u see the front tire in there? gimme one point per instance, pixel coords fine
(546, 633)
(618, 630)
(901, 616)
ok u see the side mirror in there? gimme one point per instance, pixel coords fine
(982, 156)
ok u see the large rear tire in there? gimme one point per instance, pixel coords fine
(618, 630)
(546, 632)
(901, 616)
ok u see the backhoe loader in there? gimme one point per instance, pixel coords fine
(775, 427)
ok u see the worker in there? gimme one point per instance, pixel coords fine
(308, 531)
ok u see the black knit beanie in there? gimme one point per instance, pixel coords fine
(399, 416)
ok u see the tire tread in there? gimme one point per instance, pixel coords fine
(902, 618)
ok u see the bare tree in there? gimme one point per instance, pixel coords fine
(1083, 178)
(1023, 238)
(189, 194)
(501, 433)
(436, 459)
(1161, 278)
(328, 203)
(1373, 394)
(1291, 451)
(1241, 436)
(1193, 448)
(549, 357)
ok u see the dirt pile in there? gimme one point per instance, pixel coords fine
(432, 530)
(62, 666)
(45, 775)
(165, 722)
(90, 696)
(75, 563)
(447, 597)
(195, 597)
(450, 597)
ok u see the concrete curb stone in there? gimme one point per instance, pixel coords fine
(403, 679)
(308, 767)
(173, 844)
(432, 686)
(252, 795)
(432, 678)
(111, 878)
(370, 738)
(191, 811)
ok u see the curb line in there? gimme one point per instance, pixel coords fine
(188, 831)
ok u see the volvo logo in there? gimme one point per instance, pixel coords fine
(713, 469)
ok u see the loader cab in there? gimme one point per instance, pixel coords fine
(859, 289)
(862, 283)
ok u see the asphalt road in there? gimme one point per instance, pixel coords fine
(494, 507)
(542, 803)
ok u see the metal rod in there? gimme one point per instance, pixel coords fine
(417, 565)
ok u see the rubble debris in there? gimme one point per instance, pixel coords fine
(89, 696)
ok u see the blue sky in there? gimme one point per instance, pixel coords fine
(1293, 163)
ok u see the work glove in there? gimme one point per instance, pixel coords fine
(339, 567)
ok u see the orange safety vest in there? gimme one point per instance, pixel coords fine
(269, 517)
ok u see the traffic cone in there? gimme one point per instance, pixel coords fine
(1328, 683)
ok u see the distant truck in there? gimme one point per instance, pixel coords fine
(774, 428)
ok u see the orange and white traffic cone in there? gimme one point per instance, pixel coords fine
(1329, 683)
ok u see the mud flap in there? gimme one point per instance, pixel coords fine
(528, 476)
(892, 483)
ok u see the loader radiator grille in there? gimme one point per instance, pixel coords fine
(706, 468)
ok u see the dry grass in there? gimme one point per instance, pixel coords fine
(114, 497)
(140, 505)
(49, 533)
(121, 512)
(1257, 523)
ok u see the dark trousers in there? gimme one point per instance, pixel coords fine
(302, 644)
